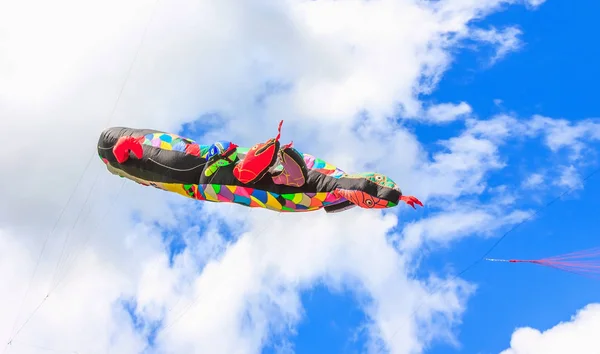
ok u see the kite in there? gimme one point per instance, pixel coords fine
(267, 175)
(584, 262)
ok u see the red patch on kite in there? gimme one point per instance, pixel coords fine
(192, 149)
(258, 160)
(125, 144)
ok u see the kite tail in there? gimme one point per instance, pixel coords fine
(585, 262)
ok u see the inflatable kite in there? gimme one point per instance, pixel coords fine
(267, 175)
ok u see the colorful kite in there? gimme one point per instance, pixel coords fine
(584, 262)
(267, 175)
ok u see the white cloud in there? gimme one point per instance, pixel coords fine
(462, 167)
(534, 3)
(563, 134)
(578, 335)
(449, 226)
(569, 177)
(505, 40)
(265, 271)
(447, 112)
(557, 133)
(63, 67)
(497, 128)
(533, 181)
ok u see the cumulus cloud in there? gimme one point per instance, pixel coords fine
(578, 335)
(504, 41)
(335, 71)
(563, 134)
(461, 167)
(569, 177)
(449, 226)
(447, 112)
(533, 181)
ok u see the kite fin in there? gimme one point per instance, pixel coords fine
(338, 208)
(127, 144)
(258, 160)
(294, 172)
(410, 200)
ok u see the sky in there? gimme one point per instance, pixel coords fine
(485, 110)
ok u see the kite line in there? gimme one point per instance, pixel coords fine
(557, 262)
(547, 205)
(63, 209)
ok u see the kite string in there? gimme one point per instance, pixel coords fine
(109, 120)
(63, 209)
(87, 240)
(39, 257)
(547, 205)
(70, 232)
(58, 283)
(483, 257)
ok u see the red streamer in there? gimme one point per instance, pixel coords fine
(585, 263)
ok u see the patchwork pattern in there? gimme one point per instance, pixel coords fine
(315, 163)
(174, 142)
(250, 197)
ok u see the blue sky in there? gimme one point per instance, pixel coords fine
(552, 75)
(247, 279)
